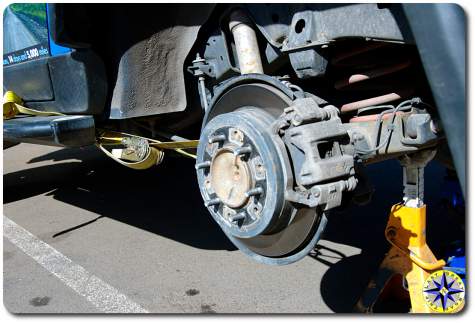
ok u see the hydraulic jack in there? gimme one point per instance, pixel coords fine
(409, 261)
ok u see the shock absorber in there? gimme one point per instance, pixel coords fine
(245, 39)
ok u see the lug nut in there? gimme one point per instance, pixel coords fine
(237, 217)
(217, 138)
(212, 202)
(205, 164)
(242, 151)
(254, 191)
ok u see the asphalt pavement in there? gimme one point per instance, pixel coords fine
(144, 239)
(23, 35)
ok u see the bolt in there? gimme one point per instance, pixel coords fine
(358, 136)
(217, 138)
(391, 233)
(237, 217)
(254, 191)
(297, 120)
(211, 202)
(198, 58)
(205, 164)
(242, 151)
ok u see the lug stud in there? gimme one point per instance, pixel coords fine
(242, 151)
(254, 191)
(205, 164)
(212, 202)
(239, 216)
(217, 138)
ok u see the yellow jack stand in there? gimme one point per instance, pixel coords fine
(410, 257)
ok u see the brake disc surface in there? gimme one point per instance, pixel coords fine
(243, 171)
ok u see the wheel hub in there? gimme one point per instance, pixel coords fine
(230, 178)
(244, 171)
(234, 176)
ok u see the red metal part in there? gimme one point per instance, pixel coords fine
(371, 74)
(377, 100)
(367, 74)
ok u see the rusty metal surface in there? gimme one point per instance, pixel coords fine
(385, 98)
(371, 74)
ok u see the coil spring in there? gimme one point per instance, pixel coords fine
(373, 67)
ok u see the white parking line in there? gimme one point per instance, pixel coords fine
(102, 295)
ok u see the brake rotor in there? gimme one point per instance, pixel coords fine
(243, 172)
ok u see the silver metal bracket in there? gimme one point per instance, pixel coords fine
(413, 177)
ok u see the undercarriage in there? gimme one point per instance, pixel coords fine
(289, 103)
(279, 152)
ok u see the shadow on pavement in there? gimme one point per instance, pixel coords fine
(164, 200)
(363, 227)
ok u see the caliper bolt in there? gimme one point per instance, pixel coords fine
(212, 202)
(297, 120)
(254, 191)
(217, 138)
(205, 164)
